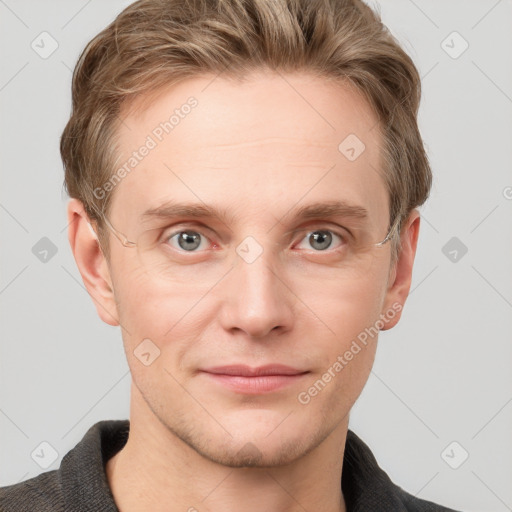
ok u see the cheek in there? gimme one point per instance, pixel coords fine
(342, 306)
(170, 314)
(153, 310)
(348, 352)
(343, 313)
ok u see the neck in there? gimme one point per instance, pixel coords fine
(156, 468)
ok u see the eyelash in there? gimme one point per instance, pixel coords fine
(344, 238)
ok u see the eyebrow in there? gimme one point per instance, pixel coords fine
(327, 209)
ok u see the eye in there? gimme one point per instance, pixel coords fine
(187, 240)
(321, 239)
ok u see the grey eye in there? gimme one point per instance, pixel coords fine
(321, 239)
(187, 240)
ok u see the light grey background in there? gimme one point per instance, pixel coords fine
(442, 375)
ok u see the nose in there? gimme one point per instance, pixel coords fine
(258, 299)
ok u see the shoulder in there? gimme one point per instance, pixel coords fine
(79, 484)
(413, 504)
(42, 493)
(366, 486)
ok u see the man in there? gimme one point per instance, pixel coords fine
(244, 182)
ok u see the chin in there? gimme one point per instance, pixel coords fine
(253, 455)
(257, 445)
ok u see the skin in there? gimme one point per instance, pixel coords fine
(257, 149)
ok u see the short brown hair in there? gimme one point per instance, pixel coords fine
(156, 43)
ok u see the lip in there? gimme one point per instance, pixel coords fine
(247, 380)
(243, 370)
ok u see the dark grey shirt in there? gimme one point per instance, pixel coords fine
(80, 483)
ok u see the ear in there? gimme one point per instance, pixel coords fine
(400, 275)
(91, 262)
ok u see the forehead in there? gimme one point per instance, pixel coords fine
(256, 144)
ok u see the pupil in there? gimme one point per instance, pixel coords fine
(321, 236)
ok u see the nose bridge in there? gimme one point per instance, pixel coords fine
(260, 300)
(256, 265)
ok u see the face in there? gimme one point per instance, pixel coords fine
(255, 284)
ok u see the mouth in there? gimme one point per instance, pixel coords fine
(247, 380)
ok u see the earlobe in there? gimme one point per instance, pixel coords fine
(401, 275)
(91, 262)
